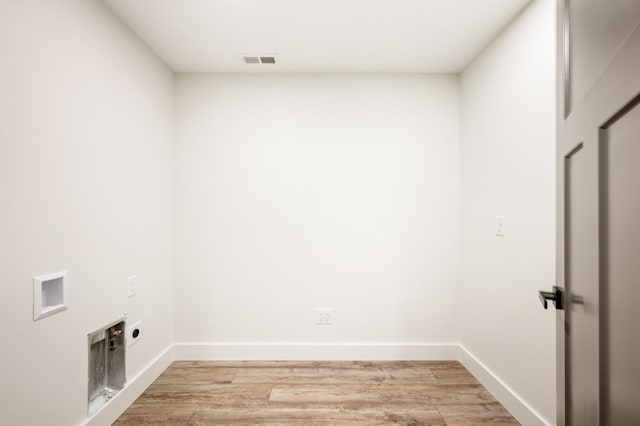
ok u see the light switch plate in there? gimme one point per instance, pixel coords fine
(500, 226)
(132, 282)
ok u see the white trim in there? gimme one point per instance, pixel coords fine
(518, 408)
(132, 390)
(314, 351)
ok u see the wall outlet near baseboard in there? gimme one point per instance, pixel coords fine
(134, 333)
(324, 316)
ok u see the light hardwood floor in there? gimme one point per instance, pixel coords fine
(317, 393)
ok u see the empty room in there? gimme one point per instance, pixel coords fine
(336, 212)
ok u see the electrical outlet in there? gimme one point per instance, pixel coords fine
(500, 226)
(134, 333)
(132, 285)
(324, 316)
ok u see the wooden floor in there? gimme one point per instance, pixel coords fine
(316, 393)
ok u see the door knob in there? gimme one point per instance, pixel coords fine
(555, 296)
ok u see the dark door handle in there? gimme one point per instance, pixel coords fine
(555, 296)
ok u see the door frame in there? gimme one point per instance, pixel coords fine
(562, 107)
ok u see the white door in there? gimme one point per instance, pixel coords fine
(598, 324)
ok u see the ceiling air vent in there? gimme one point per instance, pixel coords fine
(259, 59)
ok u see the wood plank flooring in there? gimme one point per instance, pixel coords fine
(317, 393)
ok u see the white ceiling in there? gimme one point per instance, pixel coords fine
(435, 36)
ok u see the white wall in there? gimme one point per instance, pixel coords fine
(293, 192)
(86, 118)
(302, 191)
(508, 168)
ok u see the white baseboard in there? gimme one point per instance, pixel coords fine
(132, 390)
(503, 393)
(313, 352)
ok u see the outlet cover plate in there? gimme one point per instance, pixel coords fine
(324, 316)
(131, 340)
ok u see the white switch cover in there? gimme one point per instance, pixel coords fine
(500, 226)
(133, 285)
